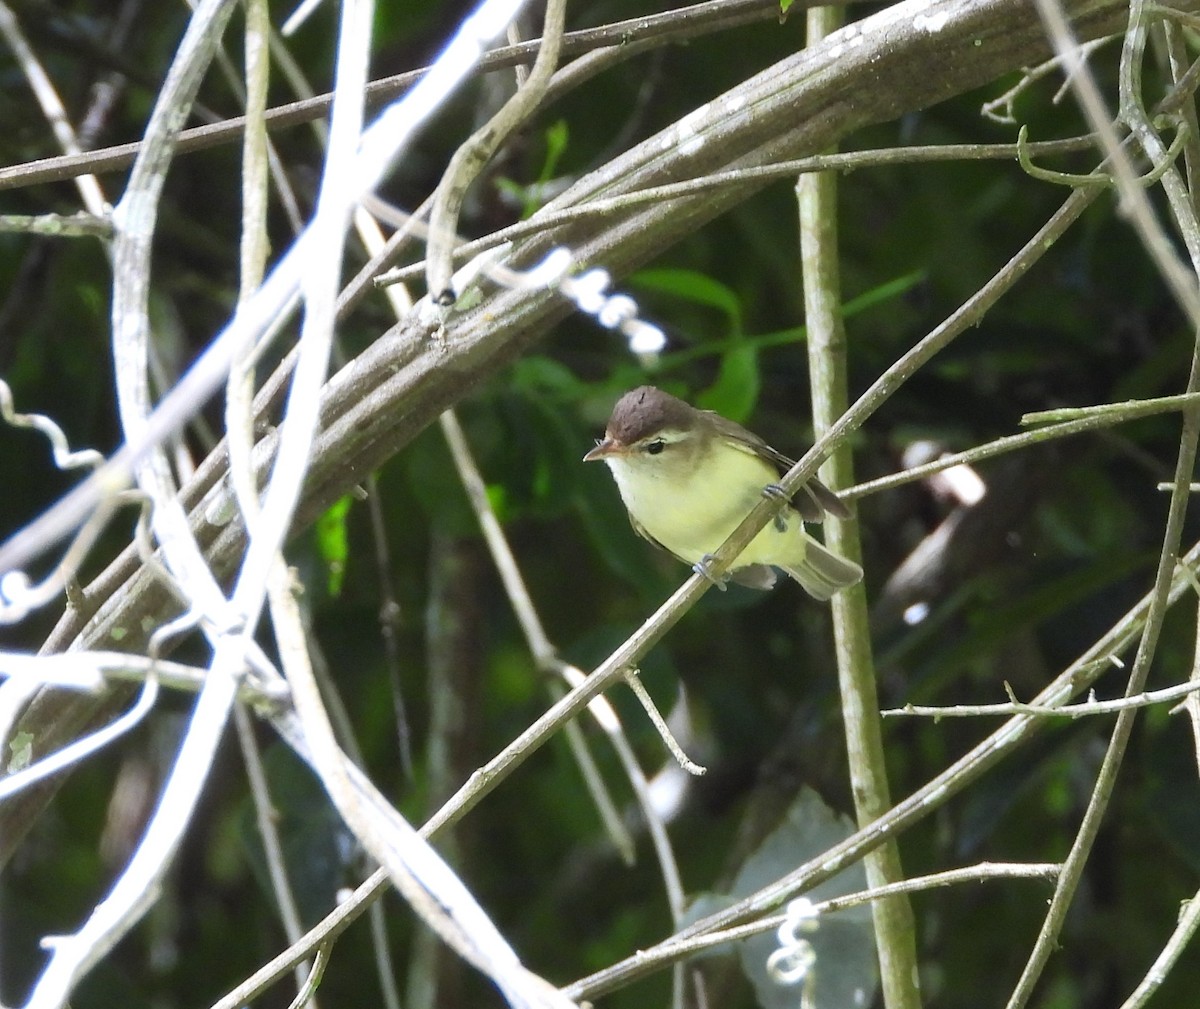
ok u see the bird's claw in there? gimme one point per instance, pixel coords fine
(774, 490)
(777, 493)
(702, 567)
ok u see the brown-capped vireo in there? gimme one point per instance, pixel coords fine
(688, 477)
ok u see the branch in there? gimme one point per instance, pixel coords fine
(633, 36)
(895, 930)
(378, 403)
(933, 795)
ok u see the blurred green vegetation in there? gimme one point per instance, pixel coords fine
(1092, 324)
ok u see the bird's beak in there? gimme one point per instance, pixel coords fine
(604, 449)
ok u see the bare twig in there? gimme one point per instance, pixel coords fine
(634, 682)
(1185, 929)
(135, 889)
(52, 107)
(603, 207)
(1133, 197)
(661, 29)
(424, 880)
(544, 653)
(920, 803)
(79, 225)
(1081, 710)
(499, 768)
(671, 952)
(268, 830)
(895, 930)
(475, 152)
(1183, 284)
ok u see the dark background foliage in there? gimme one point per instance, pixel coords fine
(1066, 542)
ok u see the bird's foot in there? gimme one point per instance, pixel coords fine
(702, 567)
(774, 490)
(777, 493)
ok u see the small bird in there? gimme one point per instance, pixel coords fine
(688, 477)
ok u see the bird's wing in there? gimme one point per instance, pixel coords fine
(813, 500)
(641, 531)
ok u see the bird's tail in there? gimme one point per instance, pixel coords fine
(822, 572)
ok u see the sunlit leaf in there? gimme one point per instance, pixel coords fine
(333, 543)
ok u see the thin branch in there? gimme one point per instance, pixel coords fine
(253, 249)
(1134, 198)
(672, 952)
(470, 158)
(661, 29)
(1082, 710)
(319, 265)
(1183, 285)
(1185, 929)
(629, 654)
(308, 990)
(268, 831)
(828, 354)
(1192, 705)
(133, 892)
(1085, 419)
(1180, 201)
(686, 596)
(389, 624)
(78, 225)
(52, 107)
(604, 207)
(544, 653)
(1165, 578)
(321, 936)
(90, 670)
(21, 774)
(929, 797)
(634, 681)
(1007, 101)
(810, 79)
(420, 875)
(275, 299)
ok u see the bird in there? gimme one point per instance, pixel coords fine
(688, 477)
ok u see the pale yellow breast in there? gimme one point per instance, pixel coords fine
(691, 505)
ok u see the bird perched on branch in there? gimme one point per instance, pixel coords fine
(688, 477)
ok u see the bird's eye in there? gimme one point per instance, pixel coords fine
(656, 446)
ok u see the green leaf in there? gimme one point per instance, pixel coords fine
(333, 543)
(533, 196)
(735, 392)
(889, 290)
(435, 483)
(539, 375)
(689, 285)
(497, 497)
(882, 294)
(21, 750)
(845, 971)
(557, 135)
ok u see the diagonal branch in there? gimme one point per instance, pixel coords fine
(396, 388)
